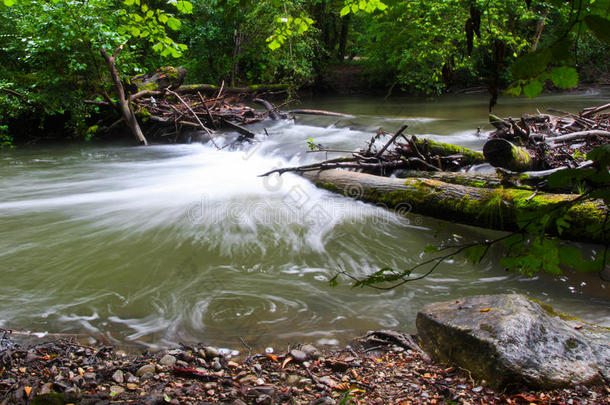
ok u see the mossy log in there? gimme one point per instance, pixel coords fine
(428, 147)
(213, 89)
(494, 208)
(502, 153)
(490, 180)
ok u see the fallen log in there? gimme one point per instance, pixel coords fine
(499, 208)
(321, 112)
(270, 108)
(467, 156)
(502, 153)
(213, 89)
(578, 135)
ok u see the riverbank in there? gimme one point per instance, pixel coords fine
(382, 368)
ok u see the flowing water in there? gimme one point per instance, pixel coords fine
(157, 245)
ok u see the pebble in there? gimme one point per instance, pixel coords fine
(216, 364)
(211, 351)
(248, 379)
(31, 356)
(298, 355)
(328, 381)
(46, 389)
(147, 368)
(168, 360)
(293, 379)
(131, 378)
(146, 376)
(89, 376)
(132, 386)
(311, 351)
(116, 390)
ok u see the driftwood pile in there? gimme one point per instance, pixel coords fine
(560, 139)
(398, 156)
(199, 108)
(536, 144)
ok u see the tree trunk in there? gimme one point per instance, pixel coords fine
(485, 207)
(501, 153)
(128, 115)
(345, 20)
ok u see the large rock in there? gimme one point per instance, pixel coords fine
(510, 340)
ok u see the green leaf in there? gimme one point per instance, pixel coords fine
(567, 177)
(599, 26)
(184, 6)
(514, 90)
(533, 88)
(135, 31)
(531, 64)
(431, 249)
(173, 23)
(475, 253)
(564, 77)
(129, 2)
(9, 3)
(273, 45)
(163, 18)
(600, 155)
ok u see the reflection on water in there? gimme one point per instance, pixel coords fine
(185, 243)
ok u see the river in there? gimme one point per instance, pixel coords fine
(150, 246)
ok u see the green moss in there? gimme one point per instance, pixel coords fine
(143, 114)
(329, 187)
(488, 328)
(550, 311)
(445, 149)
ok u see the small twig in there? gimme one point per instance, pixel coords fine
(195, 115)
(396, 135)
(207, 110)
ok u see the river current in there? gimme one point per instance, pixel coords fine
(183, 243)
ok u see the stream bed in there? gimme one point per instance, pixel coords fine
(151, 246)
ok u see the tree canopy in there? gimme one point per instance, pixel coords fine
(52, 61)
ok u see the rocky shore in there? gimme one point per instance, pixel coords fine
(381, 368)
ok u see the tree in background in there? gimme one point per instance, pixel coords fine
(57, 53)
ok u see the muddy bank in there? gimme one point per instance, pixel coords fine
(380, 368)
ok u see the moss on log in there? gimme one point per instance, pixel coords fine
(501, 153)
(494, 208)
(490, 180)
(211, 88)
(469, 156)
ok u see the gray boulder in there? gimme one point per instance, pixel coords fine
(511, 341)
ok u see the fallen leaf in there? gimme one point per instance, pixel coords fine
(288, 360)
(23, 369)
(28, 391)
(272, 357)
(485, 310)
(342, 387)
(578, 326)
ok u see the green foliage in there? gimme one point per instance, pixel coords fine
(554, 61)
(52, 53)
(368, 6)
(288, 27)
(6, 141)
